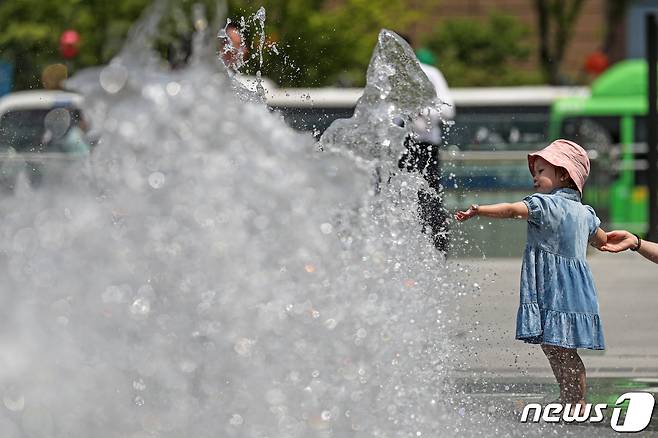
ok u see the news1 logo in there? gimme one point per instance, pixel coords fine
(638, 413)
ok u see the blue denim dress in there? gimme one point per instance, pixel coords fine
(558, 298)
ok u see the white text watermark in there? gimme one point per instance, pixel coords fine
(638, 413)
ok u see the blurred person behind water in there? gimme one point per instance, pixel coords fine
(428, 128)
(232, 50)
(427, 62)
(422, 154)
(66, 131)
(53, 76)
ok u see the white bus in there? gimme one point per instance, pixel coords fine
(487, 118)
(485, 145)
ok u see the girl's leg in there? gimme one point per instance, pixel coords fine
(575, 376)
(555, 360)
(569, 371)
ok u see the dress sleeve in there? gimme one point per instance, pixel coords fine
(594, 222)
(535, 206)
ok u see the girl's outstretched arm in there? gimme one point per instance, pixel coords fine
(506, 210)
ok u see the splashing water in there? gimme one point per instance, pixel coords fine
(260, 17)
(396, 90)
(220, 277)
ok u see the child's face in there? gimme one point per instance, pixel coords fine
(546, 177)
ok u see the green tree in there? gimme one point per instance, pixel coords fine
(31, 30)
(319, 44)
(555, 22)
(615, 12)
(473, 53)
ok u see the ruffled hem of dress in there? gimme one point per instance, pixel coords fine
(563, 329)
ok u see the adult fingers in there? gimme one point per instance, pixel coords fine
(616, 234)
(612, 248)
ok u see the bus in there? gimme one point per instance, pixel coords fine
(486, 117)
(612, 124)
(485, 146)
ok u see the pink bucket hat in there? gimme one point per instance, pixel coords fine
(567, 154)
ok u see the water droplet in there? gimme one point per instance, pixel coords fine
(139, 385)
(236, 420)
(330, 323)
(139, 400)
(261, 222)
(113, 78)
(275, 397)
(188, 366)
(57, 122)
(113, 294)
(140, 308)
(243, 346)
(156, 180)
(62, 320)
(173, 88)
(14, 402)
(326, 415)
(326, 228)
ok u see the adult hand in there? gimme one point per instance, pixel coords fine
(619, 240)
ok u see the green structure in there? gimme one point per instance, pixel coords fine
(612, 122)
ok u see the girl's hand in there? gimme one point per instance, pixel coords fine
(462, 216)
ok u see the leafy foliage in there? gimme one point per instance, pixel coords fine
(555, 22)
(308, 42)
(472, 53)
(317, 44)
(31, 30)
(322, 45)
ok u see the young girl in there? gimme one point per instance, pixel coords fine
(559, 307)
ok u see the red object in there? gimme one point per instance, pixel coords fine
(596, 63)
(69, 43)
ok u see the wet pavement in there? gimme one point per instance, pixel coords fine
(494, 375)
(501, 400)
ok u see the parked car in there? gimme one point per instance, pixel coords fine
(40, 130)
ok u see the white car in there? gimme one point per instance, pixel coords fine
(39, 129)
